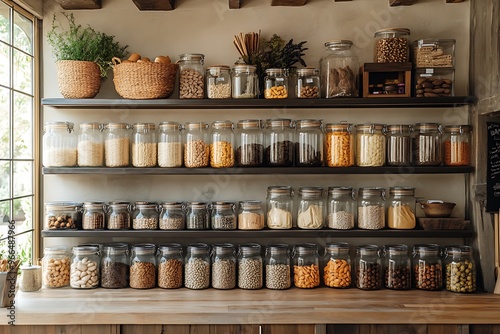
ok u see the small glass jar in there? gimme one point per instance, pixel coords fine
(457, 145)
(370, 145)
(339, 70)
(392, 45)
(245, 83)
(309, 143)
(191, 76)
(223, 216)
(93, 216)
(340, 145)
(197, 216)
(223, 266)
(276, 83)
(63, 215)
(250, 143)
(170, 145)
(401, 208)
(398, 145)
(85, 263)
(118, 216)
(115, 266)
(279, 142)
(371, 208)
(197, 146)
(337, 265)
(306, 266)
(222, 144)
(143, 266)
(218, 82)
(59, 145)
(427, 267)
(434, 82)
(250, 215)
(426, 144)
(197, 267)
(310, 214)
(170, 266)
(368, 268)
(31, 278)
(341, 208)
(278, 270)
(144, 145)
(460, 269)
(397, 265)
(55, 267)
(172, 216)
(145, 216)
(432, 53)
(90, 145)
(308, 83)
(279, 207)
(117, 145)
(250, 276)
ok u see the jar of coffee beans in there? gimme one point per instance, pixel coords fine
(276, 83)
(191, 76)
(93, 216)
(368, 268)
(115, 267)
(245, 82)
(222, 144)
(371, 208)
(250, 143)
(169, 144)
(279, 207)
(84, 272)
(460, 269)
(170, 265)
(392, 45)
(223, 216)
(307, 85)
(143, 266)
(197, 267)
(309, 143)
(397, 266)
(426, 144)
(339, 70)
(197, 216)
(196, 145)
(310, 214)
(223, 266)
(172, 216)
(427, 267)
(306, 266)
(250, 275)
(341, 208)
(337, 265)
(278, 270)
(340, 145)
(145, 216)
(250, 215)
(218, 82)
(118, 216)
(280, 142)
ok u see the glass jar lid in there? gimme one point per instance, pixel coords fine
(115, 248)
(93, 205)
(370, 127)
(249, 249)
(192, 57)
(308, 123)
(198, 248)
(91, 126)
(217, 69)
(171, 205)
(339, 43)
(196, 126)
(30, 267)
(249, 124)
(334, 248)
(144, 126)
(169, 248)
(220, 205)
(279, 123)
(307, 71)
(240, 68)
(341, 192)
(144, 248)
(371, 192)
(307, 248)
(250, 205)
(59, 126)
(197, 205)
(402, 191)
(222, 124)
(367, 250)
(63, 206)
(392, 32)
(434, 42)
(85, 250)
(427, 127)
(145, 205)
(398, 249)
(457, 129)
(340, 127)
(458, 250)
(311, 192)
(55, 250)
(167, 126)
(118, 205)
(224, 248)
(398, 128)
(425, 249)
(277, 249)
(277, 71)
(279, 191)
(115, 126)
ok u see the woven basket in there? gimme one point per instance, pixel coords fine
(78, 79)
(146, 80)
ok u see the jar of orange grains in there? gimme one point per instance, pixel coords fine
(456, 145)
(339, 145)
(306, 266)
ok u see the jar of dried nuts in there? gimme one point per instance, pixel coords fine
(172, 216)
(311, 205)
(278, 271)
(118, 216)
(223, 266)
(117, 145)
(222, 144)
(341, 208)
(90, 145)
(427, 267)
(280, 142)
(144, 145)
(245, 83)
(392, 45)
(398, 145)
(191, 76)
(460, 269)
(457, 145)
(170, 266)
(401, 208)
(62, 215)
(368, 268)
(197, 146)
(306, 266)
(397, 267)
(279, 207)
(250, 143)
(197, 267)
(276, 83)
(250, 215)
(307, 85)
(197, 216)
(337, 265)
(59, 145)
(169, 144)
(340, 145)
(218, 82)
(309, 143)
(145, 216)
(371, 208)
(143, 266)
(223, 216)
(370, 145)
(115, 267)
(426, 144)
(339, 70)
(93, 216)
(55, 267)
(250, 275)
(85, 265)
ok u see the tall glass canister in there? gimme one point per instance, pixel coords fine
(90, 145)
(222, 144)
(340, 145)
(426, 144)
(276, 83)
(339, 70)
(308, 143)
(279, 207)
(172, 216)
(278, 273)
(457, 145)
(371, 208)
(249, 143)
(170, 144)
(392, 45)
(191, 76)
(115, 266)
(341, 208)
(117, 145)
(218, 82)
(460, 269)
(370, 145)
(197, 266)
(306, 266)
(397, 267)
(250, 215)
(196, 145)
(144, 145)
(85, 267)
(170, 265)
(55, 267)
(143, 266)
(250, 267)
(223, 216)
(427, 267)
(398, 145)
(197, 216)
(337, 265)
(223, 266)
(245, 83)
(59, 145)
(368, 268)
(118, 216)
(401, 208)
(279, 142)
(310, 214)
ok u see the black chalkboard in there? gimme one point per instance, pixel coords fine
(493, 168)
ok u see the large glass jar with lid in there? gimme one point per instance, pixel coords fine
(90, 145)
(197, 266)
(170, 265)
(279, 207)
(223, 216)
(218, 82)
(55, 267)
(427, 267)
(250, 215)
(306, 266)
(310, 213)
(309, 143)
(85, 263)
(196, 145)
(426, 144)
(249, 143)
(197, 216)
(144, 145)
(59, 145)
(368, 268)
(117, 145)
(115, 266)
(392, 45)
(337, 265)
(145, 216)
(118, 216)
(457, 145)
(191, 76)
(172, 216)
(170, 144)
(308, 84)
(397, 266)
(460, 269)
(245, 83)
(279, 142)
(276, 83)
(370, 145)
(63, 215)
(278, 270)
(341, 208)
(398, 145)
(339, 70)
(143, 266)
(250, 268)
(222, 144)
(340, 145)
(93, 216)
(223, 266)
(401, 208)
(371, 208)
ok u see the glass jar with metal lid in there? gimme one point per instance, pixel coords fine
(308, 84)
(426, 144)
(85, 265)
(370, 145)
(222, 144)
(371, 208)
(115, 266)
(309, 143)
(250, 268)
(93, 216)
(339, 70)
(59, 145)
(143, 266)
(457, 145)
(278, 270)
(310, 214)
(368, 268)
(250, 215)
(90, 145)
(144, 145)
(397, 267)
(197, 216)
(117, 145)
(460, 269)
(340, 145)
(432, 53)
(223, 216)
(337, 265)
(170, 265)
(62, 215)
(218, 82)
(245, 83)
(197, 267)
(276, 83)
(279, 142)
(401, 208)
(172, 216)
(341, 208)
(223, 266)
(427, 267)
(392, 45)
(250, 143)
(279, 207)
(170, 144)
(118, 216)
(306, 266)
(196, 145)
(55, 267)
(398, 145)
(191, 76)
(145, 216)
(31, 278)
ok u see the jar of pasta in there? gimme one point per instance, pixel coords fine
(370, 145)
(340, 145)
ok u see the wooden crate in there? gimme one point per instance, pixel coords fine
(378, 73)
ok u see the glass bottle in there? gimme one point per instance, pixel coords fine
(401, 208)
(368, 268)
(145, 216)
(427, 267)
(337, 265)
(55, 267)
(371, 208)
(31, 278)
(172, 216)
(191, 76)
(144, 145)
(170, 265)
(117, 145)
(310, 213)
(308, 83)
(196, 141)
(93, 216)
(90, 145)
(397, 267)
(250, 267)
(339, 70)
(276, 83)
(250, 215)
(245, 83)
(143, 266)
(115, 266)
(370, 145)
(341, 208)
(398, 145)
(197, 216)
(85, 263)
(118, 216)
(222, 144)
(309, 143)
(218, 82)
(426, 144)
(59, 145)
(170, 144)
(223, 216)
(279, 142)
(392, 45)
(223, 266)
(460, 269)
(250, 143)
(197, 267)
(279, 207)
(457, 145)
(277, 261)
(306, 266)
(340, 145)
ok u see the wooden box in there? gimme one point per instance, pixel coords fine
(386, 79)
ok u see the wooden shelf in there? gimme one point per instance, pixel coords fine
(79, 4)
(155, 4)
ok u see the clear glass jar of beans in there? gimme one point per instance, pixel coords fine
(245, 83)
(306, 266)
(311, 206)
(276, 83)
(218, 82)
(371, 208)
(279, 207)
(392, 45)
(222, 144)
(223, 216)
(397, 266)
(197, 216)
(309, 143)
(143, 266)
(85, 263)
(191, 76)
(118, 215)
(170, 144)
(55, 267)
(223, 266)
(250, 215)
(196, 145)
(308, 85)
(460, 269)
(172, 216)
(115, 266)
(370, 145)
(340, 145)
(90, 145)
(339, 70)
(401, 208)
(337, 265)
(63, 215)
(368, 268)
(399, 145)
(426, 144)
(427, 267)
(250, 143)
(145, 216)
(279, 142)
(93, 216)
(197, 266)
(144, 145)
(250, 275)
(457, 145)
(170, 265)
(278, 270)
(117, 145)
(341, 208)
(59, 145)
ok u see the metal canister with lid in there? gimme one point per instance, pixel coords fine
(401, 208)
(398, 145)
(340, 145)
(276, 83)
(197, 216)
(308, 84)
(250, 143)
(93, 216)
(191, 76)
(309, 143)
(145, 216)
(117, 145)
(371, 208)
(144, 145)
(392, 45)
(222, 144)
(118, 215)
(59, 145)
(279, 142)
(218, 82)
(90, 145)
(279, 207)
(341, 208)
(339, 70)
(426, 144)
(170, 144)
(196, 145)
(310, 213)
(172, 216)
(457, 145)
(370, 145)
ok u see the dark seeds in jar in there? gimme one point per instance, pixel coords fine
(250, 155)
(369, 276)
(306, 155)
(114, 275)
(223, 223)
(398, 278)
(280, 153)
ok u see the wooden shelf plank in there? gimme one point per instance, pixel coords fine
(235, 4)
(402, 2)
(79, 4)
(288, 2)
(155, 4)
(454, 1)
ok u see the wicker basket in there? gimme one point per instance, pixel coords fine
(145, 80)
(78, 79)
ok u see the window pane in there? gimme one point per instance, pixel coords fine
(4, 124)
(23, 126)
(23, 33)
(23, 178)
(4, 65)
(22, 211)
(4, 212)
(23, 77)
(4, 180)
(4, 22)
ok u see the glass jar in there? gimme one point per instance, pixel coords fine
(196, 149)
(143, 266)
(222, 144)
(223, 266)
(370, 145)
(339, 70)
(434, 82)
(432, 52)
(277, 261)
(341, 208)
(309, 143)
(117, 145)
(279, 207)
(144, 145)
(308, 83)
(93, 216)
(197, 216)
(197, 267)
(115, 266)
(250, 267)
(63, 215)
(368, 268)
(401, 208)
(397, 267)
(426, 144)
(245, 83)
(118, 216)
(279, 142)
(191, 76)
(311, 208)
(55, 267)
(223, 216)
(59, 145)
(276, 83)
(90, 150)
(218, 82)
(337, 265)
(172, 216)
(398, 145)
(340, 145)
(460, 269)
(250, 215)
(306, 266)
(250, 143)
(170, 144)
(31, 278)
(427, 267)
(84, 271)
(371, 208)
(145, 216)
(392, 45)
(170, 265)
(457, 145)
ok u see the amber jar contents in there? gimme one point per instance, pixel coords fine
(339, 141)
(457, 145)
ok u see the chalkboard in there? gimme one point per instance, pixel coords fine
(493, 168)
